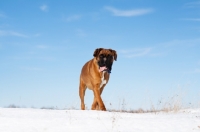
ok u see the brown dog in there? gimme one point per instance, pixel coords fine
(95, 75)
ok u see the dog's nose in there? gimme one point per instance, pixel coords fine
(104, 61)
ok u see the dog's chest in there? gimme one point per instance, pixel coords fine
(103, 81)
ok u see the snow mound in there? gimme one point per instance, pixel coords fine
(40, 120)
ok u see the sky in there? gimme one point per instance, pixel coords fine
(44, 44)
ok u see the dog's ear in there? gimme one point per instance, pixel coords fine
(114, 54)
(96, 52)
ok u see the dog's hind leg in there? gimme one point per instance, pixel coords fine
(82, 88)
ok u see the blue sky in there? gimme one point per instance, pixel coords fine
(44, 44)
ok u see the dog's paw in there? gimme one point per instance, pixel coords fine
(103, 108)
(82, 107)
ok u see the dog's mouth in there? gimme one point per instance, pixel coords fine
(104, 68)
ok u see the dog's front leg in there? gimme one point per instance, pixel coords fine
(95, 105)
(97, 96)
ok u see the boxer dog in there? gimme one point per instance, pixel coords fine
(95, 75)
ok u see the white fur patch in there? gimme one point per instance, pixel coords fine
(102, 80)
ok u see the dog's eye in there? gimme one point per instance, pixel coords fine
(101, 56)
(109, 56)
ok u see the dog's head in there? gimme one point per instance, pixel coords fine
(105, 58)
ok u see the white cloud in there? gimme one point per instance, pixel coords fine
(136, 52)
(192, 4)
(72, 18)
(17, 34)
(12, 33)
(44, 8)
(186, 42)
(128, 13)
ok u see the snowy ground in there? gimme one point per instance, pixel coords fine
(39, 120)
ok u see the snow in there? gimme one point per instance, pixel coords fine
(40, 120)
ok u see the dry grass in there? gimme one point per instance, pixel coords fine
(13, 106)
(171, 104)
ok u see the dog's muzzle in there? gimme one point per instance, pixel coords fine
(104, 68)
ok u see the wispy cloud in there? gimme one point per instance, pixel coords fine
(192, 4)
(136, 52)
(12, 33)
(178, 42)
(73, 18)
(37, 35)
(44, 8)
(128, 13)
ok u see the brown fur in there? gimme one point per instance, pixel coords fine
(91, 78)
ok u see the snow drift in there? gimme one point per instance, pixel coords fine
(40, 120)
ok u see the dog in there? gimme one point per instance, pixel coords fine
(95, 75)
